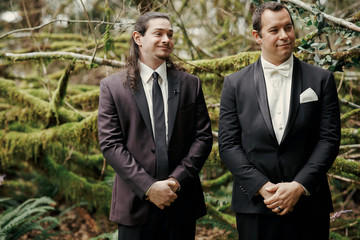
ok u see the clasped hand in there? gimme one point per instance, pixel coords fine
(282, 197)
(162, 193)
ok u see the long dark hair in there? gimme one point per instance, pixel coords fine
(132, 62)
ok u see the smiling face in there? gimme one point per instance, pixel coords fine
(157, 43)
(277, 36)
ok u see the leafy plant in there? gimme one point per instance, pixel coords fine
(108, 236)
(29, 216)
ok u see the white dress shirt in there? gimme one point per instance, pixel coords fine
(147, 82)
(278, 88)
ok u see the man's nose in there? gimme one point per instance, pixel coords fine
(165, 38)
(283, 34)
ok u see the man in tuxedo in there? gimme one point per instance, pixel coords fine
(154, 130)
(279, 133)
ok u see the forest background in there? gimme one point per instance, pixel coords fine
(55, 182)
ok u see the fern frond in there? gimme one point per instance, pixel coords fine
(23, 218)
(22, 230)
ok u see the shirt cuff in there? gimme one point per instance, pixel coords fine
(306, 192)
(147, 191)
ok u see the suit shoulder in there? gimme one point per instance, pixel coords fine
(115, 77)
(115, 80)
(240, 75)
(307, 67)
(186, 77)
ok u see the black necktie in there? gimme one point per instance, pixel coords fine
(160, 131)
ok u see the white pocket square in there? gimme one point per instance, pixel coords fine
(308, 96)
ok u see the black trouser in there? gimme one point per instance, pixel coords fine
(288, 227)
(161, 225)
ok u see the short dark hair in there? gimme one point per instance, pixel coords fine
(273, 6)
(132, 62)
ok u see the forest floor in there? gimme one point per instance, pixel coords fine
(78, 224)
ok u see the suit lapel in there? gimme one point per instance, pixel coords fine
(142, 105)
(173, 99)
(261, 94)
(296, 87)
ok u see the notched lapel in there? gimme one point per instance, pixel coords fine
(174, 82)
(261, 94)
(142, 105)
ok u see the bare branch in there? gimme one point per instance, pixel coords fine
(54, 21)
(333, 19)
(60, 55)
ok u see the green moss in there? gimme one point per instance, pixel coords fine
(345, 165)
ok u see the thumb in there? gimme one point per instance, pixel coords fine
(172, 183)
(272, 188)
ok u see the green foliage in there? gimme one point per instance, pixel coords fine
(318, 43)
(29, 216)
(107, 236)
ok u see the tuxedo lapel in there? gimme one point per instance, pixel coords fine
(173, 99)
(296, 87)
(261, 95)
(142, 105)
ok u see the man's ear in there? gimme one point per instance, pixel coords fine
(137, 38)
(256, 36)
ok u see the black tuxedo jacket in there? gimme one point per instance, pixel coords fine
(249, 148)
(126, 141)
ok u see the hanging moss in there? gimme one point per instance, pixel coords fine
(349, 136)
(221, 65)
(347, 115)
(220, 181)
(226, 218)
(17, 146)
(344, 165)
(77, 189)
(39, 107)
(58, 96)
(336, 236)
(88, 101)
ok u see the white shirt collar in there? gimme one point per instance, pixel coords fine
(267, 63)
(146, 72)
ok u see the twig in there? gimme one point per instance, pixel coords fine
(74, 109)
(333, 19)
(344, 179)
(341, 81)
(54, 21)
(103, 169)
(202, 68)
(92, 32)
(215, 134)
(350, 146)
(346, 102)
(60, 55)
(213, 105)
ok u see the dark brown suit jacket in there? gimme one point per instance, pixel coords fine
(127, 143)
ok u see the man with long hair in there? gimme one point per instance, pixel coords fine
(154, 130)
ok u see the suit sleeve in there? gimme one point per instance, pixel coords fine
(230, 144)
(111, 140)
(200, 148)
(327, 147)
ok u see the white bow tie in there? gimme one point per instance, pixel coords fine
(283, 69)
